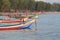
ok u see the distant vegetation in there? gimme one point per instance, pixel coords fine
(32, 5)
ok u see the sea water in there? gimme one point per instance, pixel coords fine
(47, 27)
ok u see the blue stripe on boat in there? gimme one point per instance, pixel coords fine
(27, 27)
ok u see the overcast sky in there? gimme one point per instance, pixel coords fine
(51, 1)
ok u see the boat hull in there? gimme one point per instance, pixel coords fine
(14, 28)
(18, 27)
(13, 21)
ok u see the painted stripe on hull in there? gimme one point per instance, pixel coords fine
(14, 28)
(18, 27)
(27, 27)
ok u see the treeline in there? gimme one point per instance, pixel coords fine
(32, 5)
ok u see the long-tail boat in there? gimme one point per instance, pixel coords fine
(17, 24)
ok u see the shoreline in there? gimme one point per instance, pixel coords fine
(50, 13)
(6, 13)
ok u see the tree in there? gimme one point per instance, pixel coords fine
(41, 6)
(31, 5)
(0, 5)
(5, 5)
(26, 4)
(57, 6)
(47, 7)
(14, 4)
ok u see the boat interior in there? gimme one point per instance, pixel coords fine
(15, 17)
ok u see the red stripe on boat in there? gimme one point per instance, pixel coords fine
(14, 28)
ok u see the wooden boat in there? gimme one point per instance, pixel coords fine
(13, 21)
(18, 26)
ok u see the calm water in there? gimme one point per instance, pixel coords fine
(48, 29)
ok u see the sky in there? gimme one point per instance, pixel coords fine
(51, 1)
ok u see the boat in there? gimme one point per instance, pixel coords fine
(9, 20)
(18, 26)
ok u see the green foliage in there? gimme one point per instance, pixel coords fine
(47, 6)
(56, 6)
(14, 4)
(5, 4)
(28, 5)
(41, 6)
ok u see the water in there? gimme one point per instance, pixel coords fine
(48, 29)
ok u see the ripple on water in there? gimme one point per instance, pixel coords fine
(48, 29)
